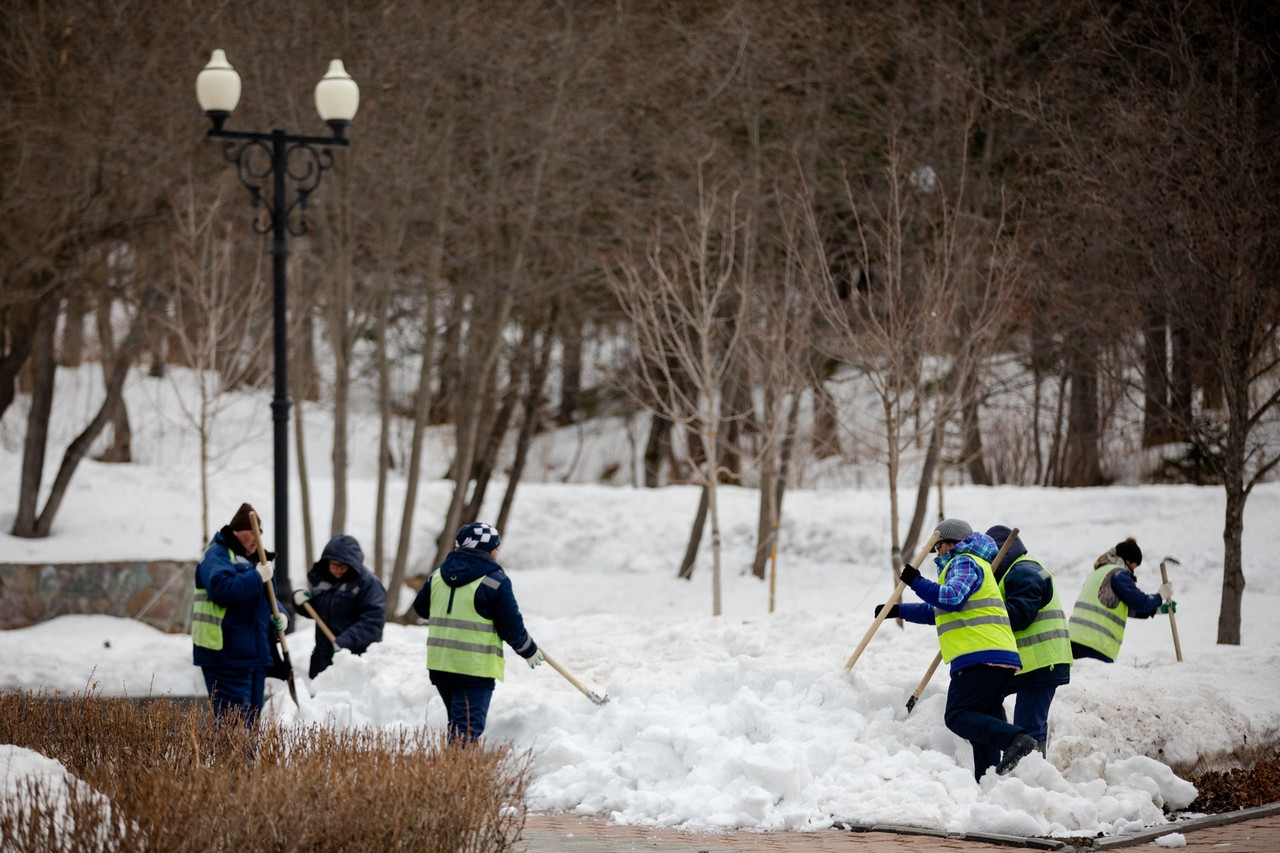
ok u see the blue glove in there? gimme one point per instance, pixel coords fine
(536, 659)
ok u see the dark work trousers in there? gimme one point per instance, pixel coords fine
(235, 690)
(975, 711)
(468, 708)
(1031, 711)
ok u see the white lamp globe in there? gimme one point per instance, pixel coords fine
(218, 86)
(337, 96)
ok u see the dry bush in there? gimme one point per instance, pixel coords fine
(160, 776)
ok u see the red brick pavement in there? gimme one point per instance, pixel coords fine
(561, 833)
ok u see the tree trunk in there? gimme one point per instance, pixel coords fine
(469, 421)
(975, 461)
(695, 536)
(384, 425)
(21, 324)
(76, 451)
(121, 449)
(529, 426)
(1229, 612)
(1181, 390)
(1155, 381)
(927, 473)
(655, 449)
(34, 445)
(72, 354)
(826, 423)
(1082, 467)
(482, 470)
(421, 414)
(771, 494)
(570, 371)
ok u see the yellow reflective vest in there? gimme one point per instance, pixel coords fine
(206, 618)
(460, 639)
(1046, 641)
(1094, 624)
(982, 623)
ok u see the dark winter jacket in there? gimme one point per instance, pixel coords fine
(461, 566)
(1026, 593)
(232, 581)
(964, 577)
(354, 608)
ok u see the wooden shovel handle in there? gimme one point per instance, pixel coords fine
(1173, 620)
(324, 629)
(893, 599)
(271, 588)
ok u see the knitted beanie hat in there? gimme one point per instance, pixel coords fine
(240, 521)
(953, 530)
(478, 535)
(1129, 551)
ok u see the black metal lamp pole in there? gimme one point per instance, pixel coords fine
(283, 158)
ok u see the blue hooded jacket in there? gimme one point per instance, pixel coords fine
(460, 567)
(353, 607)
(232, 581)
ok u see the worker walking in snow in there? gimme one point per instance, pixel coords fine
(975, 637)
(1040, 628)
(348, 598)
(1110, 595)
(471, 611)
(231, 621)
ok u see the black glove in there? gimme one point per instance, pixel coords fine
(909, 574)
(893, 611)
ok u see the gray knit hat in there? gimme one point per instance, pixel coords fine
(953, 530)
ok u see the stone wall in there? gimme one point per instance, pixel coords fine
(157, 593)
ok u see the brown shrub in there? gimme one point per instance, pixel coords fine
(161, 777)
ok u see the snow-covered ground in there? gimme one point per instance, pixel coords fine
(744, 720)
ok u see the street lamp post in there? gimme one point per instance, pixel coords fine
(282, 159)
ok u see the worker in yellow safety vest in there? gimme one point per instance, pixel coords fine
(471, 611)
(1040, 627)
(975, 637)
(1110, 595)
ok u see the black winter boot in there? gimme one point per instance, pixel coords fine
(1022, 746)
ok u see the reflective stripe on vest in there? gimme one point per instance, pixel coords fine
(982, 623)
(206, 618)
(1046, 641)
(459, 639)
(1093, 624)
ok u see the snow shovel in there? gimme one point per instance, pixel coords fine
(590, 694)
(275, 607)
(305, 604)
(893, 599)
(937, 658)
(1173, 621)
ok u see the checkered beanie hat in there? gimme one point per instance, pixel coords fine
(478, 535)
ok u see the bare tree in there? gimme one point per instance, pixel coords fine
(687, 310)
(932, 286)
(208, 319)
